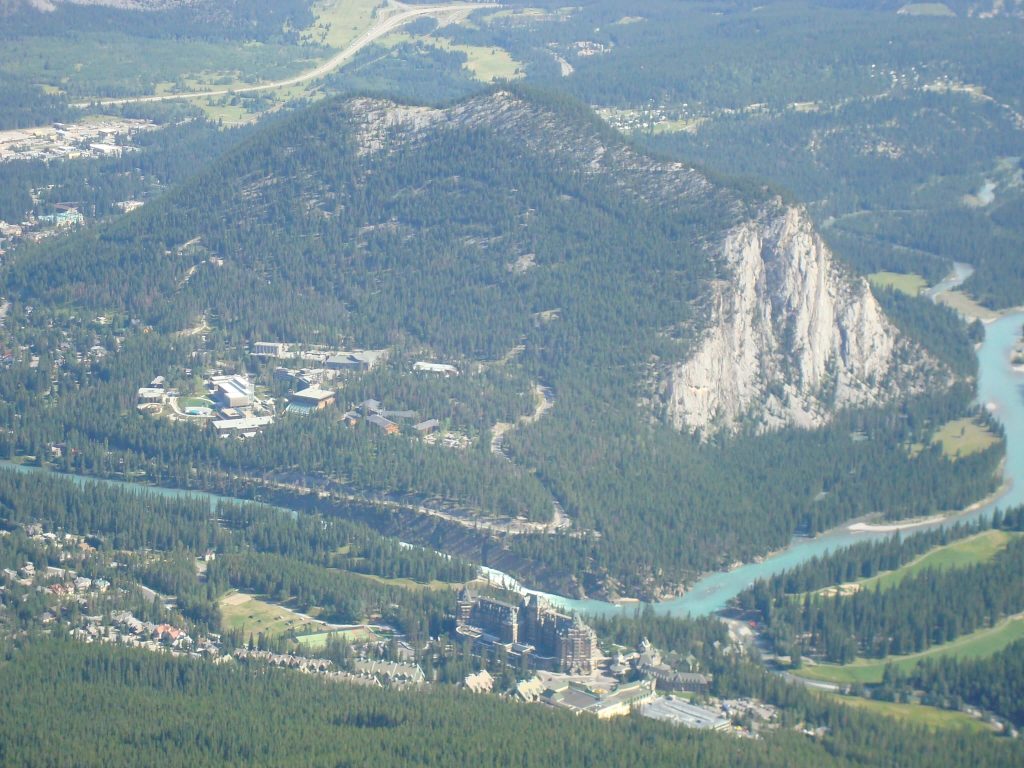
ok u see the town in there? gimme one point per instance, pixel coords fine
(557, 658)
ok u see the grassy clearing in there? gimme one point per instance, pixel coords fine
(433, 586)
(966, 306)
(354, 635)
(253, 615)
(678, 126)
(962, 437)
(960, 554)
(339, 22)
(976, 645)
(485, 64)
(916, 714)
(227, 113)
(910, 284)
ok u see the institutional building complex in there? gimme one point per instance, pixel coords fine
(531, 629)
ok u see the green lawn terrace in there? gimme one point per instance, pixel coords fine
(977, 645)
(357, 633)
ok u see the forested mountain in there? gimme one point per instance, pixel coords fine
(515, 226)
(465, 228)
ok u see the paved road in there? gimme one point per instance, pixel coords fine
(381, 28)
(817, 684)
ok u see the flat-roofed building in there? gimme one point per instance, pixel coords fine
(150, 395)
(310, 399)
(233, 391)
(602, 704)
(269, 348)
(442, 369)
(681, 712)
(245, 427)
(360, 360)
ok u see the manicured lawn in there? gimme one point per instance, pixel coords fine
(319, 639)
(249, 613)
(407, 583)
(959, 554)
(917, 714)
(980, 644)
(962, 437)
(909, 284)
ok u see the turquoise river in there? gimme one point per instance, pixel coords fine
(1000, 389)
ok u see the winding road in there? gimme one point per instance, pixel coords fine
(382, 27)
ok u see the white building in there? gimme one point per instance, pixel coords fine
(440, 368)
(233, 391)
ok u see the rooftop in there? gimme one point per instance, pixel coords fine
(680, 712)
(313, 393)
(243, 425)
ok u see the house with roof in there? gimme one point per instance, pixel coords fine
(427, 427)
(385, 425)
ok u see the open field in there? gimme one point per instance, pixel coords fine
(354, 635)
(433, 586)
(909, 284)
(960, 554)
(980, 644)
(962, 437)
(916, 714)
(228, 113)
(253, 615)
(966, 306)
(339, 22)
(485, 64)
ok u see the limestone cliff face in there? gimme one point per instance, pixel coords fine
(791, 338)
(788, 336)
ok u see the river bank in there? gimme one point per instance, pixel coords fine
(999, 388)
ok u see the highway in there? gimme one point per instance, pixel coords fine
(378, 30)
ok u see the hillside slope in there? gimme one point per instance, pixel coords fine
(459, 226)
(518, 235)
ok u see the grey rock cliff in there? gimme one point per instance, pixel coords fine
(790, 338)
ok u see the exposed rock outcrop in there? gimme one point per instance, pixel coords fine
(788, 336)
(791, 337)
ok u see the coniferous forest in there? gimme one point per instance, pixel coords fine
(320, 320)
